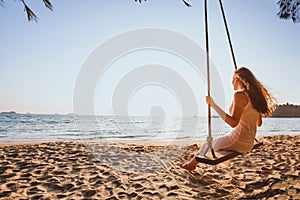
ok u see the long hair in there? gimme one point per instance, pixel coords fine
(261, 99)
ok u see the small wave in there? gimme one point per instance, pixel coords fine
(294, 130)
(119, 137)
(183, 137)
(25, 122)
(170, 130)
(128, 136)
(274, 130)
(37, 129)
(52, 122)
(71, 131)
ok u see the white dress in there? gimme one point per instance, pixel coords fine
(242, 137)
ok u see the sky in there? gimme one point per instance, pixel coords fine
(40, 62)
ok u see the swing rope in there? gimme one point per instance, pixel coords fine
(228, 34)
(209, 138)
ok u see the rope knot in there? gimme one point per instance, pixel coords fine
(209, 139)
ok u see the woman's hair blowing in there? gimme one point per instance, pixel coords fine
(261, 99)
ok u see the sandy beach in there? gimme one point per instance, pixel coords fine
(73, 170)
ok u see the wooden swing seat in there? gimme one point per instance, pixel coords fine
(221, 156)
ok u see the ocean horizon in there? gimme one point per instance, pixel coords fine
(70, 127)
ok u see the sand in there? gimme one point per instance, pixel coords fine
(73, 170)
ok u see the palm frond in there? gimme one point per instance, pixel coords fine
(140, 0)
(30, 14)
(2, 3)
(48, 4)
(184, 1)
(289, 9)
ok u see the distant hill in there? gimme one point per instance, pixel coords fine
(287, 110)
(8, 113)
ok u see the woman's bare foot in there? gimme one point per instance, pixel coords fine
(191, 165)
(188, 166)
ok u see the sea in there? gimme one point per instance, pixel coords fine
(72, 127)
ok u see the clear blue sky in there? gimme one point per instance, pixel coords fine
(39, 62)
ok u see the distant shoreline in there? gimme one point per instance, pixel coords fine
(282, 111)
(287, 111)
(284, 117)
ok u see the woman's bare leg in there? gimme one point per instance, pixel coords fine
(191, 165)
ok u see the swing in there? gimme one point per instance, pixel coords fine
(222, 156)
(216, 157)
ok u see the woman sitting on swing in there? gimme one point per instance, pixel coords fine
(251, 101)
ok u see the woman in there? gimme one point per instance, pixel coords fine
(251, 101)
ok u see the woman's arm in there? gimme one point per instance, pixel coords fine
(240, 100)
(259, 120)
(230, 109)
